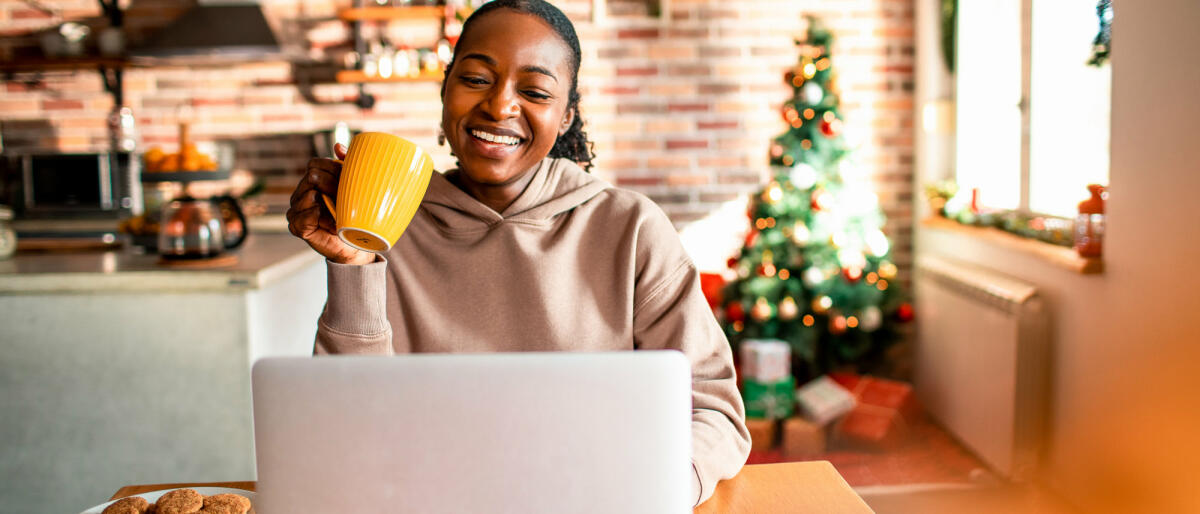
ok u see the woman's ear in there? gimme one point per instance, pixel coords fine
(568, 119)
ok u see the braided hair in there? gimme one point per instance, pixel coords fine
(572, 144)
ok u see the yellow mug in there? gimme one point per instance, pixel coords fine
(384, 178)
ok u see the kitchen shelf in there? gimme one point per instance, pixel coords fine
(392, 13)
(37, 64)
(358, 77)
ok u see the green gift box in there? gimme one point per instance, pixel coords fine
(774, 400)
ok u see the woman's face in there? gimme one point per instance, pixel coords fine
(505, 100)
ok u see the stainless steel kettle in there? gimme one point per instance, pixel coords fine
(193, 228)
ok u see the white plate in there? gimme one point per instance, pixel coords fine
(152, 496)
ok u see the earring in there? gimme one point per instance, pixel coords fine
(441, 137)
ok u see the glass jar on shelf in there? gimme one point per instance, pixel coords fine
(8, 236)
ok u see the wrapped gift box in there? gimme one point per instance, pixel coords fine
(802, 437)
(762, 434)
(765, 360)
(769, 400)
(880, 419)
(823, 400)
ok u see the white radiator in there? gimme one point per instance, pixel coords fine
(982, 360)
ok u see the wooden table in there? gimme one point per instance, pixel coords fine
(810, 487)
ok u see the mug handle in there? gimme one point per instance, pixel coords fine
(328, 200)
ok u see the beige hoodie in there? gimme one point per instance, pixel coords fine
(573, 265)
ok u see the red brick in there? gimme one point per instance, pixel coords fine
(690, 70)
(716, 125)
(639, 181)
(620, 90)
(688, 107)
(53, 105)
(645, 71)
(686, 143)
(637, 33)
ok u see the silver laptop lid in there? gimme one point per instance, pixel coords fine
(524, 432)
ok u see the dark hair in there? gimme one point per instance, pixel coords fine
(572, 144)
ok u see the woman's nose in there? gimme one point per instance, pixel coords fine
(502, 103)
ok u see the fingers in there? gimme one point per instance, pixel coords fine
(322, 175)
(339, 151)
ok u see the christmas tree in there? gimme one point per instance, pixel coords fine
(815, 270)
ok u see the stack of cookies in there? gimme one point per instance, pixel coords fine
(183, 501)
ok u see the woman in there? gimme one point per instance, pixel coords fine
(520, 249)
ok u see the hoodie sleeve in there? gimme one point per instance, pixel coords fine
(670, 312)
(355, 315)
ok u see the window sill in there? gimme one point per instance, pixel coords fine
(1059, 256)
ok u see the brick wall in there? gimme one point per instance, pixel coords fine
(680, 106)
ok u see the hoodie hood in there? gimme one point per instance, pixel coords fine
(557, 186)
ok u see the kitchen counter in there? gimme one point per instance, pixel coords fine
(119, 370)
(262, 260)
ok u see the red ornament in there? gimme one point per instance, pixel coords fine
(852, 274)
(789, 76)
(711, 284)
(735, 312)
(905, 312)
(732, 262)
(828, 128)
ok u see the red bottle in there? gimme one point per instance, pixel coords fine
(1089, 224)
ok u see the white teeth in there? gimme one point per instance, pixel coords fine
(504, 140)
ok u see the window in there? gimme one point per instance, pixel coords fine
(1033, 116)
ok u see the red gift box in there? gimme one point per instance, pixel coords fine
(885, 407)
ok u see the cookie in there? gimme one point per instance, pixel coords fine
(227, 503)
(180, 501)
(129, 505)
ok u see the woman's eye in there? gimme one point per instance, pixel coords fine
(474, 81)
(536, 94)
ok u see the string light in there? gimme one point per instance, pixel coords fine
(787, 159)
(797, 123)
(882, 285)
(737, 326)
(760, 223)
(852, 322)
(805, 144)
(784, 274)
(770, 222)
(828, 116)
(810, 69)
(809, 113)
(823, 64)
(872, 277)
(808, 321)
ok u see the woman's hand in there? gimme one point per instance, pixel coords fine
(308, 219)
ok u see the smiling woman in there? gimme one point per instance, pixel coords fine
(520, 249)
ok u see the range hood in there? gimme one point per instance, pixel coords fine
(215, 29)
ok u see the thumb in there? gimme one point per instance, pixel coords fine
(339, 151)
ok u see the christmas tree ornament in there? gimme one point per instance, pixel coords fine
(784, 274)
(837, 325)
(776, 150)
(830, 128)
(732, 262)
(751, 239)
(852, 274)
(905, 312)
(812, 277)
(800, 233)
(887, 270)
(788, 308)
(822, 304)
(870, 318)
(877, 243)
(789, 76)
(773, 194)
(734, 311)
(761, 310)
(766, 269)
(743, 272)
(803, 175)
(811, 93)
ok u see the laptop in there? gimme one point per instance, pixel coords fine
(474, 433)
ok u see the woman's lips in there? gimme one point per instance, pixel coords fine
(492, 150)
